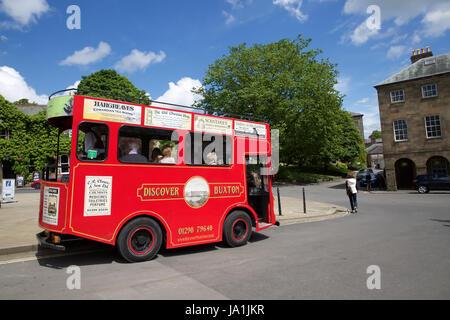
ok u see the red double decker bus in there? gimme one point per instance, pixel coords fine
(141, 177)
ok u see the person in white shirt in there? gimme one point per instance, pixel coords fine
(350, 187)
(167, 155)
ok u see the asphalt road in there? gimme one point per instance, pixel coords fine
(405, 235)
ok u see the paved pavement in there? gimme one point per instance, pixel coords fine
(19, 220)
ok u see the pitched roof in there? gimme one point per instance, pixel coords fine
(376, 148)
(424, 67)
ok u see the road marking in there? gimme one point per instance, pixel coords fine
(56, 255)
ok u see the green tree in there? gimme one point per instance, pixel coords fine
(350, 144)
(288, 86)
(109, 84)
(32, 141)
(376, 134)
(23, 102)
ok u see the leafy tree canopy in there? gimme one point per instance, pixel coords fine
(376, 134)
(32, 142)
(287, 85)
(109, 84)
(24, 102)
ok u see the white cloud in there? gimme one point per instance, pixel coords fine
(371, 122)
(23, 12)
(416, 38)
(293, 7)
(362, 101)
(180, 93)
(401, 11)
(235, 4)
(73, 86)
(87, 55)
(368, 106)
(362, 33)
(229, 17)
(3, 37)
(138, 60)
(14, 87)
(343, 85)
(396, 52)
(437, 20)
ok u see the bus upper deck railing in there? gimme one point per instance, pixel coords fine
(141, 100)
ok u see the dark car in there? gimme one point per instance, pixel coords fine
(373, 180)
(426, 182)
(37, 184)
(363, 172)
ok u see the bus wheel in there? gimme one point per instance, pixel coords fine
(139, 240)
(237, 228)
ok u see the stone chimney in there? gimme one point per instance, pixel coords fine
(419, 54)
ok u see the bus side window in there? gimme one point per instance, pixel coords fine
(256, 179)
(92, 141)
(208, 149)
(147, 145)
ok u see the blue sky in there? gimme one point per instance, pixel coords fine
(165, 47)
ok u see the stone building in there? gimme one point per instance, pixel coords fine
(414, 107)
(358, 120)
(375, 157)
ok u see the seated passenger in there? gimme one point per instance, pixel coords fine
(167, 155)
(211, 159)
(133, 155)
(156, 155)
(93, 143)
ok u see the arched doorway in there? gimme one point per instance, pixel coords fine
(405, 172)
(438, 166)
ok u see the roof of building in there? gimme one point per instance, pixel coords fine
(376, 148)
(354, 114)
(424, 67)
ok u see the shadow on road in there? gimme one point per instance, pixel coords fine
(256, 237)
(80, 253)
(87, 252)
(443, 221)
(338, 186)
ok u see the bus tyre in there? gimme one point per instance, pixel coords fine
(139, 240)
(237, 229)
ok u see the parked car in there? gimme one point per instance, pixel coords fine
(36, 184)
(373, 181)
(426, 182)
(363, 172)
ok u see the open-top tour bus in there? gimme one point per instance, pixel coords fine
(139, 177)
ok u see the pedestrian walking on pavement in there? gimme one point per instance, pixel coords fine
(350, 188)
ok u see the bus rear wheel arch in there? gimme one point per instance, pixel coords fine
(237, 228)
(139, 240)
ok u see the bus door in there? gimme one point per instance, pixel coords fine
(258, 187)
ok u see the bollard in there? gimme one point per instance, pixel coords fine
(279, 202)
(304, 202)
